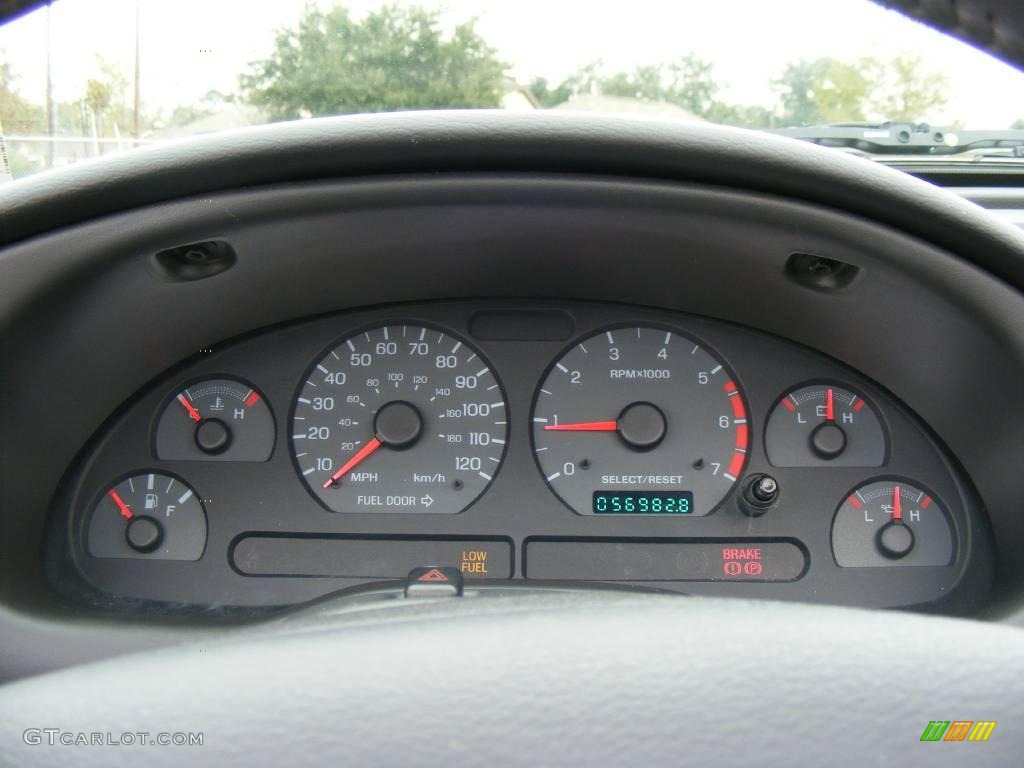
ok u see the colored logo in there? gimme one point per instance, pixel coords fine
(958, 730)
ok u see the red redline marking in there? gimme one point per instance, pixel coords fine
(191, 409)
(252, 399)
(927, 502)
(126, 511)
(587, 426)
(858, 405)
(742, 436)
(739, 411)
(736, 465)
(857, 504)
(730, 387)
(786, 402)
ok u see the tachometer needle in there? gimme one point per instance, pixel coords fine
(830, 414)
(586, 426)
(192, 412)
(897, 512)
(126, 512)
(351, 464)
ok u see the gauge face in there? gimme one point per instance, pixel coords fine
(150, 515)
(891, 522)
(399, 418)
(216, 420)
(824, 425)
(640, 420)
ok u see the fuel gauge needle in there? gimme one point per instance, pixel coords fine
(192, 412)
(126, 511)
(897, 512)
(363, 453)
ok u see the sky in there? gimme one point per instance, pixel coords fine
(192, 46)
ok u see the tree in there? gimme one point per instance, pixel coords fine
(904, 91)
(17, 113)
(394, 58)
(687, 82)
(822, 90)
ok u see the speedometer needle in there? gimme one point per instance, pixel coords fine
(364, 452)
(586, 426)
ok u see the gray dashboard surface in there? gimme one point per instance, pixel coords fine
(557, 679)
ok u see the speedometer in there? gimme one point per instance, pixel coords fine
(399, 418)
(640, 420)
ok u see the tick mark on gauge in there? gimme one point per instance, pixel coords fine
(562, 368)
(484, 475)
(554, 476)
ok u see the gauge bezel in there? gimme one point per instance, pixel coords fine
(579, 338)
(366, 328)
(85, 521)
(777, 402)
(172, 394)
(951, 520)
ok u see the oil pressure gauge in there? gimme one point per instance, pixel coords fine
(824, 425)
(891, 522)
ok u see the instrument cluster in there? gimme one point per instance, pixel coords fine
(542, 442)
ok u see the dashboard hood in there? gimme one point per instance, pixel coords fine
(497, 141)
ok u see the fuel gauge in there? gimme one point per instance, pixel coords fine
(150, 516)
(891, 522)
(824, 425)
(216, 420)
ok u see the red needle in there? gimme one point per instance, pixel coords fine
(830, 414)
(126, 513)
(586, 426)
(192, 412)
(897, 513)
(365, 451)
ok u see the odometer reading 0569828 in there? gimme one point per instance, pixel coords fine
(640, 421)
(400, 418)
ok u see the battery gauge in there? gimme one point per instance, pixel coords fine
(824, 425)
(216, 420)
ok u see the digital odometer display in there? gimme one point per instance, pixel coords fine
(399, 418)
(642, 503)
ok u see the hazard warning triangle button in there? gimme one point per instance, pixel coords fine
(434, 581)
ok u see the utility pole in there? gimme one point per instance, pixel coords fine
(5, 166)
(138, 14)
(51, 118)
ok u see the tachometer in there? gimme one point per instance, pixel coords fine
(640, 420)
(399, 418)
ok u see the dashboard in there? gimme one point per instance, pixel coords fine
(633, 369)
(539, 441)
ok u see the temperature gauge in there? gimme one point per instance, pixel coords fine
(824, 425)
(153, 516)
(216, 420)
(891, 522)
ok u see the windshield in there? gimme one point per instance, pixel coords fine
(83, 78)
